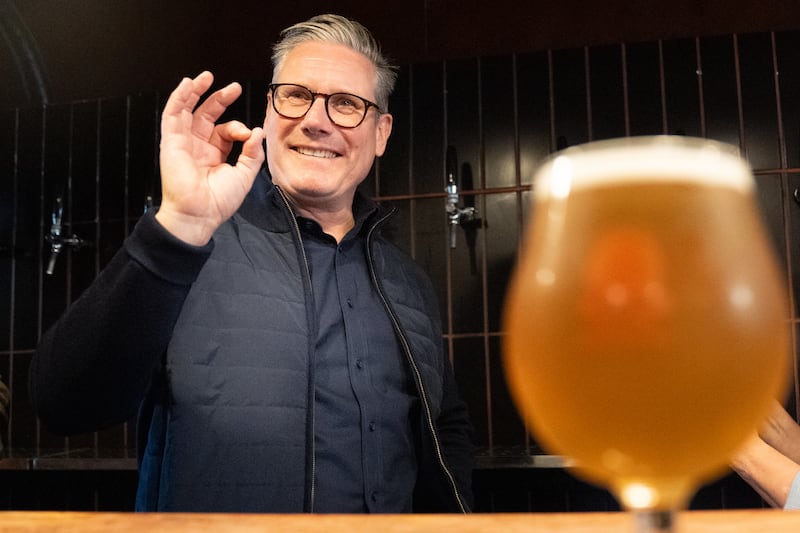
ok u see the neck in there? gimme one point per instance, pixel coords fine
(335, 219)
(336, 229)
(335, 223)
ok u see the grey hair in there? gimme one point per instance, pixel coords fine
(339, 30)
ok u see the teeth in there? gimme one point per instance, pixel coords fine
(317, 153)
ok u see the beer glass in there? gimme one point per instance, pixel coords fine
(646, 319)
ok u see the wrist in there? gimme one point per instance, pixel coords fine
(195, 231)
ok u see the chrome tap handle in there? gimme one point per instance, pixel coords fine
(55, 218)
(451, 207)
(56, 239)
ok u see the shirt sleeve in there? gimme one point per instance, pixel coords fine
(793, 499)
(93, 365)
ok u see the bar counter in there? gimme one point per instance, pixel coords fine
(767, 520)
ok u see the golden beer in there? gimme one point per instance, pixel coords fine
(646, 330)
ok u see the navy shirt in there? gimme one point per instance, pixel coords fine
(364, 448)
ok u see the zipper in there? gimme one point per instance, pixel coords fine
(415, 369)
(311, 387)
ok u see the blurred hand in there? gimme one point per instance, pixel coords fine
(200, 190)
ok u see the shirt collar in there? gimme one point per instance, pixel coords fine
(364, 209)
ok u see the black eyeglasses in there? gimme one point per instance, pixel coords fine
(344, 109)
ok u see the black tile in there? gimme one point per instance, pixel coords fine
(759, 101)
(607, 92)
(681, 89)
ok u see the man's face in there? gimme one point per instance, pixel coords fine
(317, 163)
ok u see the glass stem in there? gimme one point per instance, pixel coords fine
(654, 521)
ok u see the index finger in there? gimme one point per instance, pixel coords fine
(188, 92)
(214, 106)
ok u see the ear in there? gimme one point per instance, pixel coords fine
(382, 132)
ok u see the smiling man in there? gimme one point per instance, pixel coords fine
(282, 355)
(321, 156)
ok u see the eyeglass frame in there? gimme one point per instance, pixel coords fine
(367, 103)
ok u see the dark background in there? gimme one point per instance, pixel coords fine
(99, 48)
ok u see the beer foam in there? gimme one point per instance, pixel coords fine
(640, 160)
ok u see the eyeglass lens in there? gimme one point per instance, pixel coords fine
(294, 101)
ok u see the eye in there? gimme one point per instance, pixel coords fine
(346, 103)
(295, 95)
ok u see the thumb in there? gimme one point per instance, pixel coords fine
(252, 154)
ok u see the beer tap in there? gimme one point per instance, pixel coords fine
(55, 238)
(465, 216)
(451, 205)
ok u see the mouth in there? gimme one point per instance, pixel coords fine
(315, 152)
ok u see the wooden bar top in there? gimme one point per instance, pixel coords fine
(767, 520)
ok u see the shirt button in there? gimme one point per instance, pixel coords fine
(372, 426)
(349, 303)
(374, 496)
(359, 363)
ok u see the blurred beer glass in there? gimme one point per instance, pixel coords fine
(646, 320)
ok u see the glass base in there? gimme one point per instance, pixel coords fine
(654, 521)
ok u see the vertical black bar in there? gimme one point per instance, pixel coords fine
(411, 161)
(482, 182)
(739, 100)
(778, 107)
(700, 94)
(552, 99)
(97, 227)
(626, 104)
(587, 74)
(787, 204)
(663, 84)
(69, 209)
(9, 148)
(126, 210)
(40, 269)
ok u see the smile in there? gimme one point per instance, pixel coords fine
(325, 154)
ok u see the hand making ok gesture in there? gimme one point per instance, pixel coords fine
(200, 190)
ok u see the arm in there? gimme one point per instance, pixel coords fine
(782, 433)
(767, 470)
(92, 366)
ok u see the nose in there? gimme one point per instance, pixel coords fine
(317, 117)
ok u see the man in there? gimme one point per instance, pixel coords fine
(290, 359)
